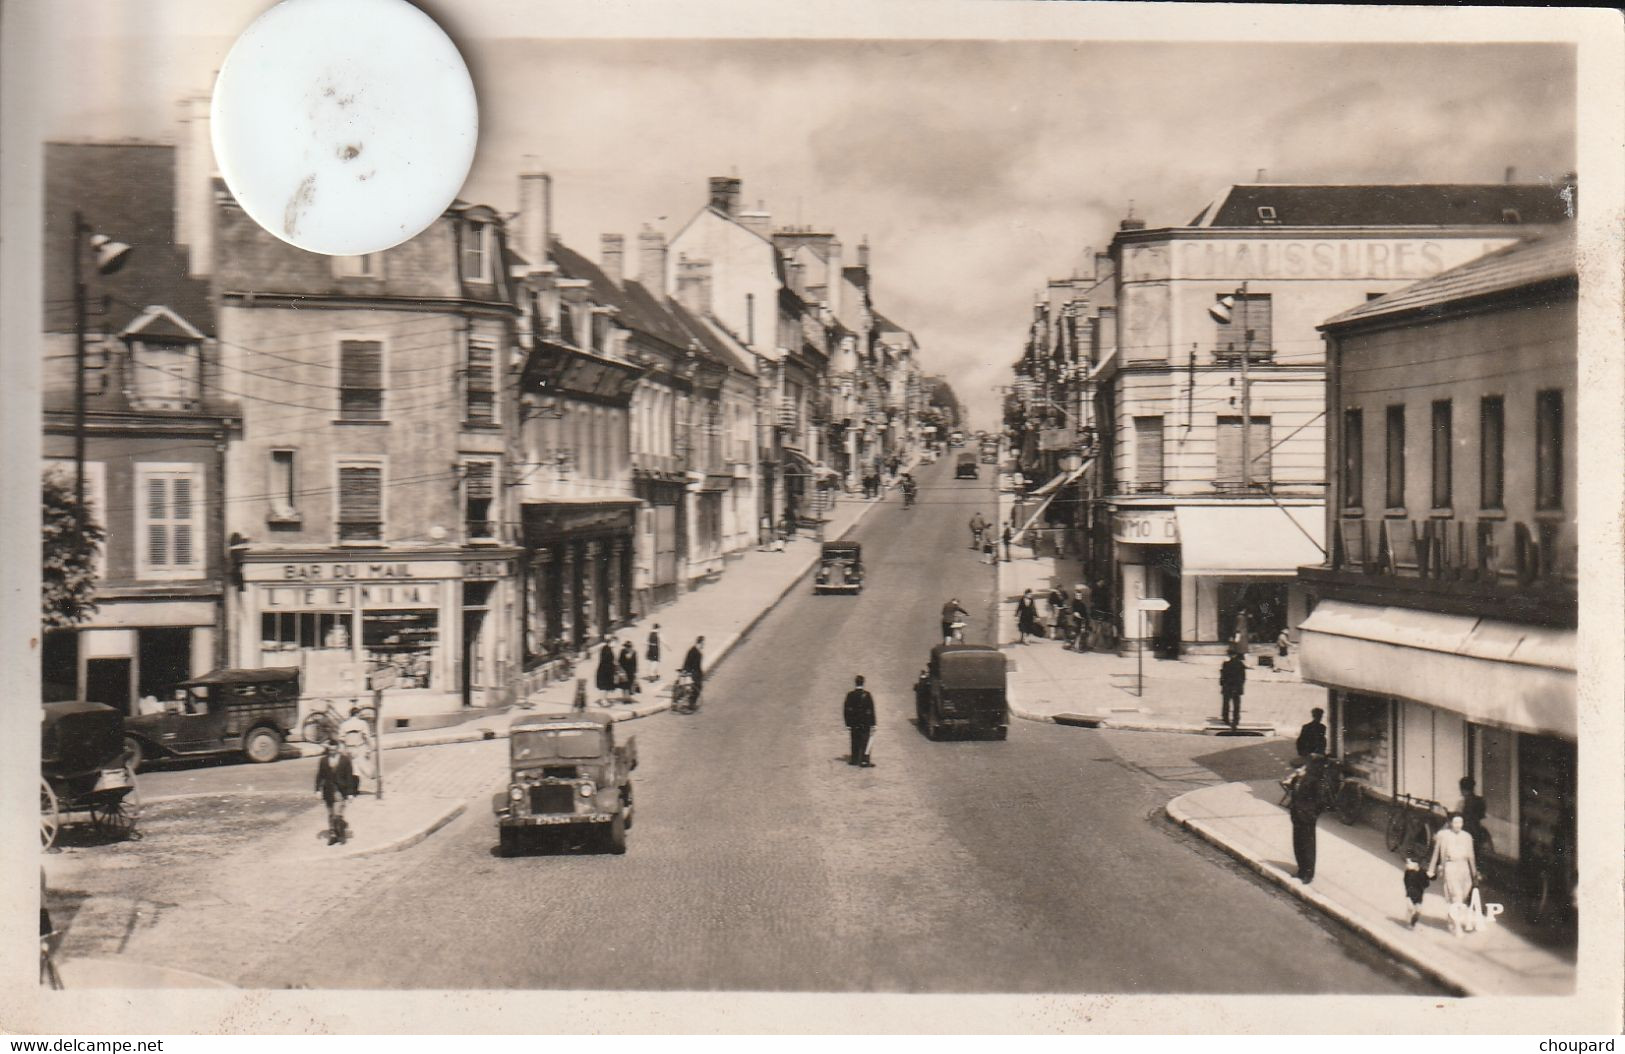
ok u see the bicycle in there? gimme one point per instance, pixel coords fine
(1339, 791)
(685, 694)
(956, 633)
(1411, 824)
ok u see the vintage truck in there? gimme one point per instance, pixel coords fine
(564, 770)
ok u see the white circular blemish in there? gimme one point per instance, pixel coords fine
(344, 126)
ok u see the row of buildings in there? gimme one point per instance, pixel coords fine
(1347, 413)
(464, 457)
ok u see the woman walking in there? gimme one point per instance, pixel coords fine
(608, 671)
(1453, 856)
(652, 653)
(1027, 617)
(629, 670)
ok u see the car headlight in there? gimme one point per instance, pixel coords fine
(516, 793)
(587, 789)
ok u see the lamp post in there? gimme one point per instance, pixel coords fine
(110, 256)
(1221, 313)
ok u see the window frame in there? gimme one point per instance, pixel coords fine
(342, 462)
(1485, 476)
(492, 519)
(1548, 436)
(1254, 475)
(493, 346)
(340, 340)
(371, 270)
(1394, 457)
(477, 246)
(145, 472)
(141, 374)
(1242, 313)
(1140, 482)
(1353, 467)
(1441, 433)
(289, 512)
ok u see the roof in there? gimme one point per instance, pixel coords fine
(127, 192)
(1538, 260)
(711, 341)
(269, 673)
(572, 264)
(651, 315)
(1388, 205)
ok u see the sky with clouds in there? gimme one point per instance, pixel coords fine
(976, 168)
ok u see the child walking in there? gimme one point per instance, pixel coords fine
(1416, 880)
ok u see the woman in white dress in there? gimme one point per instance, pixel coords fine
(1453, 857)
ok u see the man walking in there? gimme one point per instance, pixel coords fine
(978, 527)
(1304, 808)
(1008, 534)
(1312, 736)
(694, 664)
(859, 713)
(1232, 683)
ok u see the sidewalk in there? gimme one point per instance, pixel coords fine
(1099, 689)
(1357, 881)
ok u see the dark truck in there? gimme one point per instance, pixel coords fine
(225, 712)
(963, 692)
(965, 468)
(566, 770)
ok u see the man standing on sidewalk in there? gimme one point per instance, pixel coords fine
(1008, 535)
(1232, 683)
(859, 713)
(1312, 736)
(1304, 808)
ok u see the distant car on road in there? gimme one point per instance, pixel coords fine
(964, 692)
(956, 439)
(966, 467)
(840, 569)
(566, 770)
(225, 712)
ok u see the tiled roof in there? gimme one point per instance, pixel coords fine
(127, 192)
(1393, 205)
(572, 264)
(886, 325)
(713, 344)
(653, 315)
(1543, 258)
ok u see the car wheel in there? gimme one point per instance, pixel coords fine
(617, 835)
(1002, 732)
(507, 841)
(262, 745)
(134, 755)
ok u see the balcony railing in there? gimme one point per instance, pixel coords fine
(1484, 551)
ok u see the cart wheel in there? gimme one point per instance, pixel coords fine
(50, 817)
(113, 819)
(133, 754)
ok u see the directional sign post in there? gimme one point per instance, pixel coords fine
(382, 678)
(1145, 604)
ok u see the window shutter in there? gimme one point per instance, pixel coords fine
(1148, 450)
(1229, 450)
(478, 480)
(481, 381)
(361, 364)
(157, 498)
(360, 503)
(1261, 452)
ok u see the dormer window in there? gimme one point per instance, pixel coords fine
(477, 252)
(165, 361)
(1266, 214)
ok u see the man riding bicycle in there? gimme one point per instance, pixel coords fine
(908, 490)
(953, 620)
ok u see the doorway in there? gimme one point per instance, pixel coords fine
(476, 605)
(108, 681)
(163, 660)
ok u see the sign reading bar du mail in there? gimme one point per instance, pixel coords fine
(1148, 527)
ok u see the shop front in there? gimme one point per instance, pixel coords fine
(1239, 564)
(440, 623)
(578, 578)
(666, 526)
(130, 650)
(1145, 552)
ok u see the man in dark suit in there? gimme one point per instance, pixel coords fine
(859, 712)
(694, 664)
(1312, 736)
(1232, 682)
(1304, 808)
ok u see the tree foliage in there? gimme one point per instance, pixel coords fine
(943, 399)
(68, 555)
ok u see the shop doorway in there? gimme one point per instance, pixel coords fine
(476, 605)
(164, 659)
(108, 681)
(1262, 603)
(1163, 572)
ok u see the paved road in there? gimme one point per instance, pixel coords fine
(760, 860)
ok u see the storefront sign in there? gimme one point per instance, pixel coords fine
(1149, 527)
(1241, 259)
(312, 572)
(345, 598)
(487, 570)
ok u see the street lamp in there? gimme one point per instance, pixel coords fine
(110, 256)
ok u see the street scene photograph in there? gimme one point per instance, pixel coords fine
(816, 512)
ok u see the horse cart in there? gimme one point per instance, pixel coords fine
(84, 769)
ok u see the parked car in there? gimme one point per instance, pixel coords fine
(566, 770)
(964, 692)
(840, 569)
(83, 769)
(966, 466)
(225, 712)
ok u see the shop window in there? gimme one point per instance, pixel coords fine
(405, 640)
(361, 503)
(479, 495)
(1353, 459)
(1491, 452)
(1549, 449)
(361, 380)
(285, 633)
(164, 375)
(170, 521)
(1228, 441)
(1148, 474)
(1394, 481)
(477, 252)
(480, 387)
(1366, 741)
(1442, 454)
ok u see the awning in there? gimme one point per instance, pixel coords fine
(1494, 673)
(1249, 539)
(796, 463)
(1049, 490)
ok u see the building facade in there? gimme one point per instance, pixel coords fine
(1444, 617)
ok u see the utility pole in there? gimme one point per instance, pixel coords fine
(78, 375)
(1246, 392)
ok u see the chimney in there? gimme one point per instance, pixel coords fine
(796, 272)
(1131, 223)
(1512, 174)
(535, 218)
(759, 221)
(194, 186)
(725, 194)
(863, 253)
(612, 256)
(652, 260)
(836, 277)
(694, 285)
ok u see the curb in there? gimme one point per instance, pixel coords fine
(1129, 726)
(405, 841)
(1176, 814)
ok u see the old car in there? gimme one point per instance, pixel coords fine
(83, 769)
(963, 692)
(990, 452)
(965, 468)
(250, 712)
(566, 770)
(840, 568)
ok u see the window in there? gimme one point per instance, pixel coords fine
(284, 485)
(164, 376)
(1353, 459)
(404, 640)
(479, 496)
(1248, 328)
(367, 265)
(282, 632)
(476, 252)
(1148, 454)
(1442, 453)
(480, 389)
(1491, 452)
(169, 529)
(1395, 481)
(361, 380)
(1549, 449)
(361, 502)
(1228, 440)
